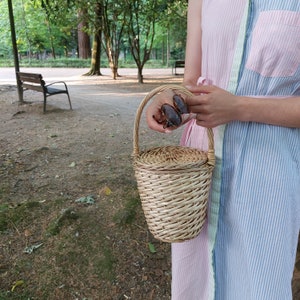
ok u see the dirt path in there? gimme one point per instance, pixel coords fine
(48, 161)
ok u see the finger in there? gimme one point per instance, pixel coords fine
(198, 118)
(158, 127)
(154, 121)
(201, 89)
(195, 101)
(202, 124)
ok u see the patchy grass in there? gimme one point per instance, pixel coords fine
(66, 216)
(128, 214)
(11, 217)
(79, 245)
(87, 249)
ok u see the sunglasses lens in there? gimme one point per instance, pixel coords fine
(180, 104)
(173, 118)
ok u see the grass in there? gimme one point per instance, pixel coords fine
(128, 213)
(74, 63)
(76, 245)
(8, 295)
(65, 217)
(14, 216)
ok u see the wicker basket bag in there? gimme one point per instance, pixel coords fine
(173, 182)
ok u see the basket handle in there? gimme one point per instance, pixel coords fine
(148, 97)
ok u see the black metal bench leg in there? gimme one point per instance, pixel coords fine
(69, 101)
(45, 100)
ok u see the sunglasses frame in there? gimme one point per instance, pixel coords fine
(172, 114)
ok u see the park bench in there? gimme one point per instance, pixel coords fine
(178, 64)
(35, 82)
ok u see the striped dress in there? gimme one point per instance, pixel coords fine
(247, 249)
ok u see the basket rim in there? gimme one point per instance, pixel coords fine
(136, 150)
(199, 158)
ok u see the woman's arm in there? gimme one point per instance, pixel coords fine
(192, 64)
(216, 106)
(193, 52)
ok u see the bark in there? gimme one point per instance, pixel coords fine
(84, 44)
(15, 48)
(96, 52)
(95, 62)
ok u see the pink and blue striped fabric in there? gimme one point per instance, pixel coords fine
(247, 248)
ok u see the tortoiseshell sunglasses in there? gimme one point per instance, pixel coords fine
(172, 114)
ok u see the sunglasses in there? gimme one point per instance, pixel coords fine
(172, 114)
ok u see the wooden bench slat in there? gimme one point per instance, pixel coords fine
(37, 88)
(31, 77)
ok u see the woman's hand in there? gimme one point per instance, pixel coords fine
(154, 116)
(213, 105)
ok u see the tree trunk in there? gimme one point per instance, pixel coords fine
(95, 63)
(51, 39)
(96, 52)
(114, 71)
(84, 44)
(140, 74)
(15, 48)
(112, 58)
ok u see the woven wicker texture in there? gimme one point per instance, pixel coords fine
(173, 182)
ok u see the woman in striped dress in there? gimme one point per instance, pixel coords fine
(248, 51)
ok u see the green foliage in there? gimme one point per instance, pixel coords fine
(48, 29)
(128, 213)
(36, 31)
(104, 266)
(8, 295)
(5, 45)
(49, 63)
(13, 216)
(66, 216)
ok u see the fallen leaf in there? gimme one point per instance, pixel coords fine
(31, 248)
(72, 164)
(87, 200)
(151, 248)
(107, 191)
(27, 232)
(16, 284)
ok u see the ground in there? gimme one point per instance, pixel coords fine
(71, 224)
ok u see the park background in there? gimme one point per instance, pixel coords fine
(71, 223)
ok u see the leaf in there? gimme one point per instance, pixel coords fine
(151, 248)
(30, 249)
(16, 284)
(27, 232)
(107, 191)
(87, 200)
(72, 164)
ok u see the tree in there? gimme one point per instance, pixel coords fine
(97, 35)
(84, 44)
(141, 19)
(172, 30)
(14, 45)
(61, 20)
(55, 26)
(89, 20)
(113, 28)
